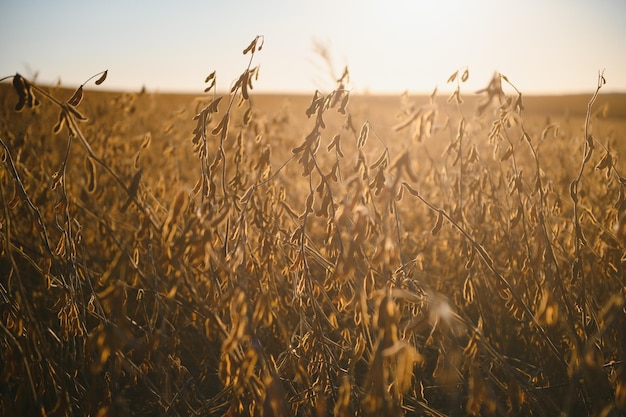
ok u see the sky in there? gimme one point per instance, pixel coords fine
(389, 46)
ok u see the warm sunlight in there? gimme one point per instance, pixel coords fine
(389, 46)
(348, 208)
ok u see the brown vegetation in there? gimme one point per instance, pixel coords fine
(244, 255)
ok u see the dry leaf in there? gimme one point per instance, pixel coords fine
(76, 97)
(102, 77)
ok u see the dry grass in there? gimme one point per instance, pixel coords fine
(328, 255)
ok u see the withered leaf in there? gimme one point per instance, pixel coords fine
(605, 162)
(20, 104)
(382, 158)
(60, 248)
(222, 126)
(465, 75)
(251, 47)
(438, 224)
(344, 104)
(213, 107)
(146, 140)
(20, 89)
(365, 129)
(400, 194)
(573, 191)
(315, 102)
(452, 77)
(210, 86)
(76, 97)
(244, 84)
(247, 116)
(246, 196)
(90, 168)
(19, 86)
(468, 290)
(136, 160)
(78, 115)
(410, 189)
(102, 77)
(61, 122)
(333, 143)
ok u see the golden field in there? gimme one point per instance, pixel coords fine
(329, 254)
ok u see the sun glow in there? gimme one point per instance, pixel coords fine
(389, 46)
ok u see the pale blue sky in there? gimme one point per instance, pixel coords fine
(543, 46)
